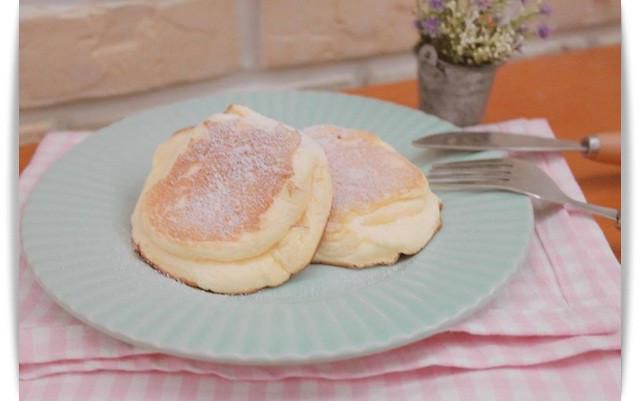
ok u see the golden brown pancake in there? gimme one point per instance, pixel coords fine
(234, 204)
(382, 204)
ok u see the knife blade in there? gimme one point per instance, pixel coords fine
(604, 147)
(489, 140)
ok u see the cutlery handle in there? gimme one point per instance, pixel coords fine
(610, 213)
(604, 148)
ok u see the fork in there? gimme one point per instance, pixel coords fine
(509, 175)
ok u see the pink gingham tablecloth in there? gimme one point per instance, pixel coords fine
(553, 333)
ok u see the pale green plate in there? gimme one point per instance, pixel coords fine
(76, 238)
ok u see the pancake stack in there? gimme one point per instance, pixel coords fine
(241, 202)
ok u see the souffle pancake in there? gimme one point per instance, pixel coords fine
(382, 206)
(234, 204)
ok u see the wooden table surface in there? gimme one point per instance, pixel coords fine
(578, 92)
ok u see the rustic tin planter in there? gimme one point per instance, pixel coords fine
(455, 93)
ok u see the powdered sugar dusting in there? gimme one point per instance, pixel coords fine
(363, 173)
(221, 184)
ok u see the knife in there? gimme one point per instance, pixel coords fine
(603, 148)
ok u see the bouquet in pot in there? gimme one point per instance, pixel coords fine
(462, 42)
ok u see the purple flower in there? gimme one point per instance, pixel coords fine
(546, 9)
(482, 4)
(436, 5)
(429, 25)
(544, 31)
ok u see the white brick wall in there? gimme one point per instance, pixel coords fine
(84, 63)
(113, 48)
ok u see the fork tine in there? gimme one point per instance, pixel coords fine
(470, 187)
(489, 163)
(503, 174)
(469, 180)
(495, 160)
(465, 171)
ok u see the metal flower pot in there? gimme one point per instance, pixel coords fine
(452, 92)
